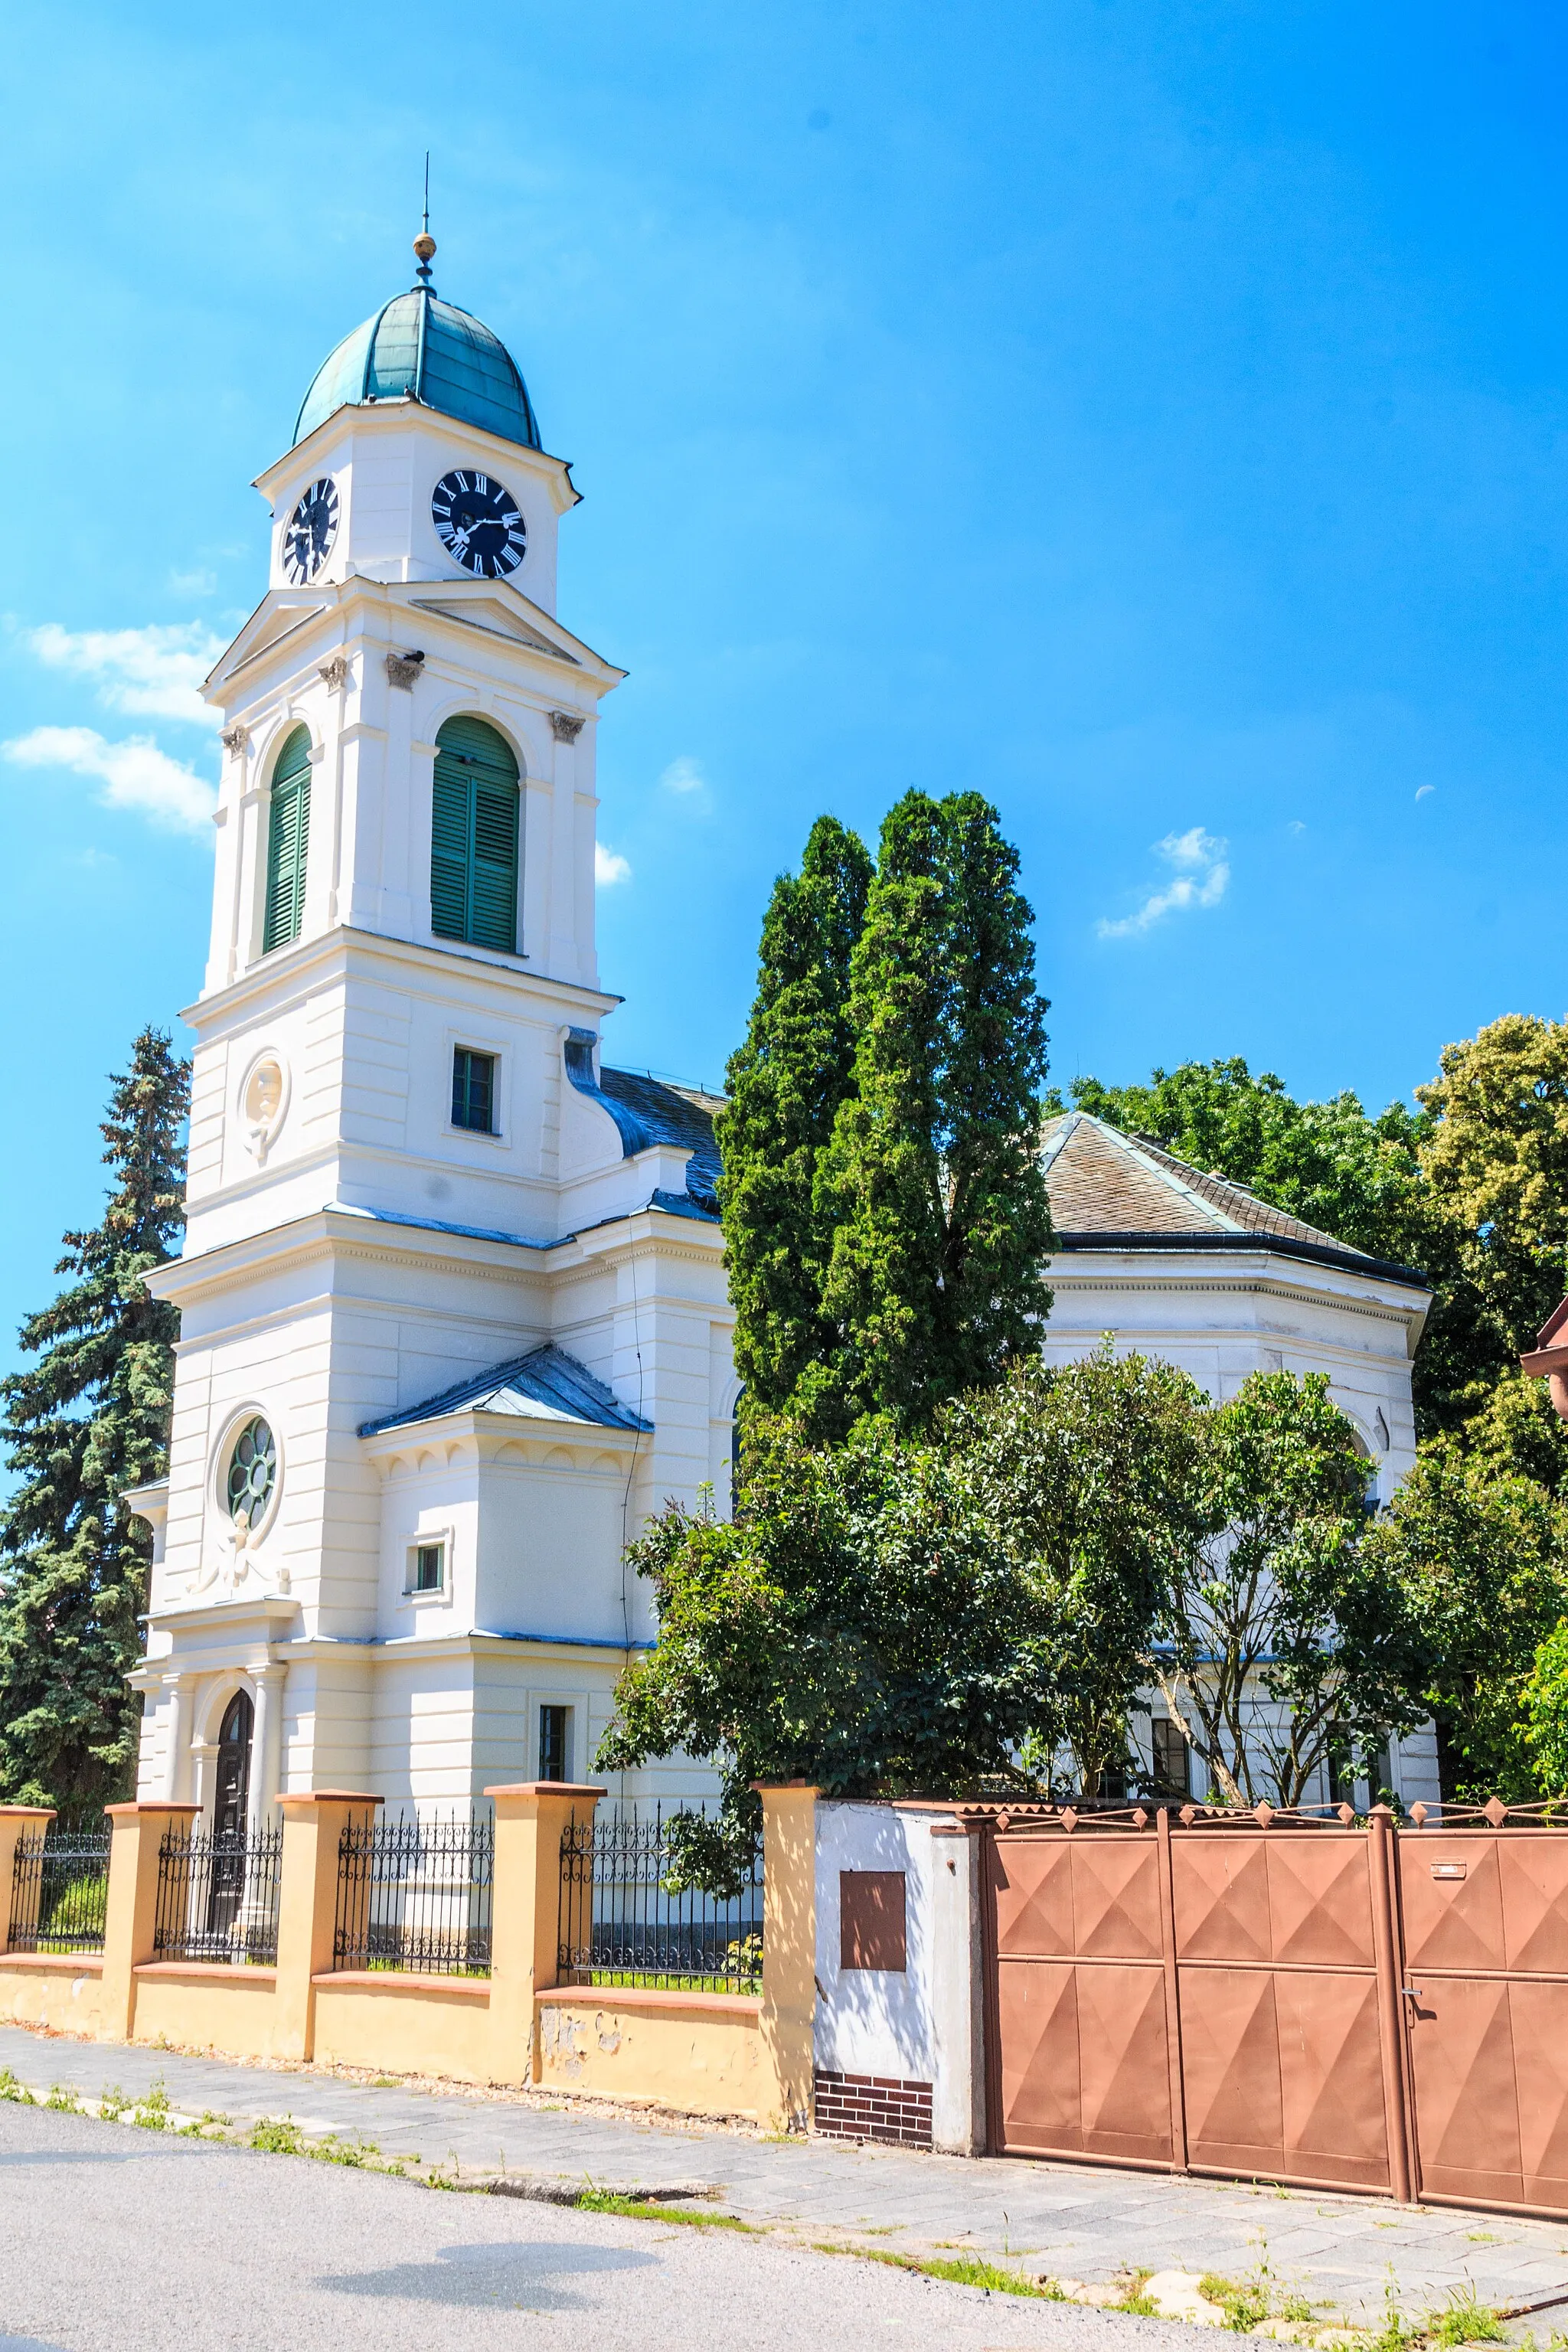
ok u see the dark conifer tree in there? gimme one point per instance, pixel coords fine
(932, 1182)
(786, 1084)
(85, 1422)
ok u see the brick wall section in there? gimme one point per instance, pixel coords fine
(873, 2106)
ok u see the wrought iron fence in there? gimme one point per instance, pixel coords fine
(59, 1890)
(416, 1894)
(630, 1913)
(217, 1896)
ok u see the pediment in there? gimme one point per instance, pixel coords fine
(267, 626)
(495, 620)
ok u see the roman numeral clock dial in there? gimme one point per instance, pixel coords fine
(478, 522)
(309, 531)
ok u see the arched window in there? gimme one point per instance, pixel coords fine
(474, 836)
(288, 841)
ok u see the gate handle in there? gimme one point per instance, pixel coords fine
(1414, 1992)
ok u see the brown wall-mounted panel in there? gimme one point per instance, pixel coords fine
(872, 1932)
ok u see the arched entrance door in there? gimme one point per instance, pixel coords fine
(230, 1799)
(233, 1765)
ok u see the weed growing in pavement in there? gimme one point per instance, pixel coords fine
(1244, 2301)
(151, 2112)
(973, 2270)
(277, 2135)
(644, 2209)
(1466, 2321)
(60, 2102)
(11, 2089)
(1396, 2334)
(112, 2103)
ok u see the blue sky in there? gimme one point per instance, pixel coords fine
(1152, 414)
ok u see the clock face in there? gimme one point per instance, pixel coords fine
(310, 532)
(478, 524)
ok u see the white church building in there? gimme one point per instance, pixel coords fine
(453, 1309)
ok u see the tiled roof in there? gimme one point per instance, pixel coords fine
(1109, 1190)
(647, 1111)
(546, 1385)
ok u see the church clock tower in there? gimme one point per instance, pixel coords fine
(452, 1300)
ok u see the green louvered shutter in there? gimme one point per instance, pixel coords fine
(287, 842)
(474, 836)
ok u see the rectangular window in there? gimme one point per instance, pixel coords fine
(1172, 1774)
(474, 1090)
(428, 1566)
(554, 1727)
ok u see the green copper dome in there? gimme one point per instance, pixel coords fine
(420, 348)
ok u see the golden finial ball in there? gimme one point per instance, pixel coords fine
(425, 246)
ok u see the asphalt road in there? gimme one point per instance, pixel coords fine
(116, 2240)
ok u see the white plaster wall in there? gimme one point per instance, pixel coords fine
(1221, 1318)
(874, 2020)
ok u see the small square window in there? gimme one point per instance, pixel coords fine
(474, 1090)
(554, 1728)
(429, 1567)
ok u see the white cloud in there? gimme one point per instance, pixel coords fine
(684, 775)
(1422, 791)
(608, 867)
(135, 774)
(1201, 879)
(194, 584)
(152, 673)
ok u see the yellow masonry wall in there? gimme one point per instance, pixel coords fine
(703, 2051)
(65, 1993)
(202, 2006)
(406, 2025)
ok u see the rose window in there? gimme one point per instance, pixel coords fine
(252, 1470)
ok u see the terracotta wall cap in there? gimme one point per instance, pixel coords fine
(546, 1789)
(404, 1980)
(148, 1805)
(742, 2006)
(75, 1964)
(26, 1812)
(330, 1797)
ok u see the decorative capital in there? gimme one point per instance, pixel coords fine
(405, 669)
(336, 672)
(566, 725)
(235, 740)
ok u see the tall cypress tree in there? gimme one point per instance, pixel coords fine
(786, 1084)
(933, 1180)
(88, 1419)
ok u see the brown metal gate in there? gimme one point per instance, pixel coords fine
(1276, 1996)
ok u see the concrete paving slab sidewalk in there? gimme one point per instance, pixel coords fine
(1347, 2253)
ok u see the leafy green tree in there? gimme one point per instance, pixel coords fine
(89, 1419)
(918, 1616)
(859, 1622)
(1479, 1557)
(786, 1084)
(1545, 1711)
(1282, 1643)
(932, 1182)
(1094, 1476)
(1495, 1154)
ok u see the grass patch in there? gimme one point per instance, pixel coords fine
(964, 2270)
(17, 2093)
(60, 2102)
(280, 2135)
(1245, 2302)
(642, 2208)
(973, 2270)
(1463, 2321)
